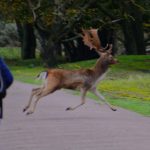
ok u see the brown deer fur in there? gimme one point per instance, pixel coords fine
(83, 79)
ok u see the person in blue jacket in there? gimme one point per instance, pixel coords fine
(6, 79)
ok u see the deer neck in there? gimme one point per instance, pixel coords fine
(101, 67)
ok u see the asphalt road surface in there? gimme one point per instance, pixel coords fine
(90, 127)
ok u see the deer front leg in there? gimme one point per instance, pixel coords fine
(102, 98)
(83, 94)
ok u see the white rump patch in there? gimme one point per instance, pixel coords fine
(42, 76)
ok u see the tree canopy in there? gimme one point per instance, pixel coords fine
(57, 24)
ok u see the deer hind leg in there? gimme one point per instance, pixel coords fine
(39, 95)
(83, 94)
(34, 91)
(102, 98)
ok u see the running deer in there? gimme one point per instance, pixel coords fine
(83, 79)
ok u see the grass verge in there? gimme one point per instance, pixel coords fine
(133, 104)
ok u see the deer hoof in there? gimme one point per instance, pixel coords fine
(113, 109)
(69, 108)
(25, 108)
(29, 113)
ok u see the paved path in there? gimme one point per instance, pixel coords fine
(91, 127)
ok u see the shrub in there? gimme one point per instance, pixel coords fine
(8, 35)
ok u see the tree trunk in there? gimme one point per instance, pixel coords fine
(28, 42)
(49, 54)
(20, 30)
(84, 52)
(133, 28)
(129, 39)
(138, 31)
(72, 51)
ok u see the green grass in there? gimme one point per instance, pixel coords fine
(10, 53)
(136, 86)
(26, 70)
(133, 104)
(23, 70)
(126, 85)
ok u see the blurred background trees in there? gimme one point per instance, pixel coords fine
(54, 26)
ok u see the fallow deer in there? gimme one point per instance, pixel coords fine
(83, 79)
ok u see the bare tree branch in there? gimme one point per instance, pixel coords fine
(72, 38)
(34, 8)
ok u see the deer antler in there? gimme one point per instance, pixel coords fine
(110, 48)
(92, 40)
